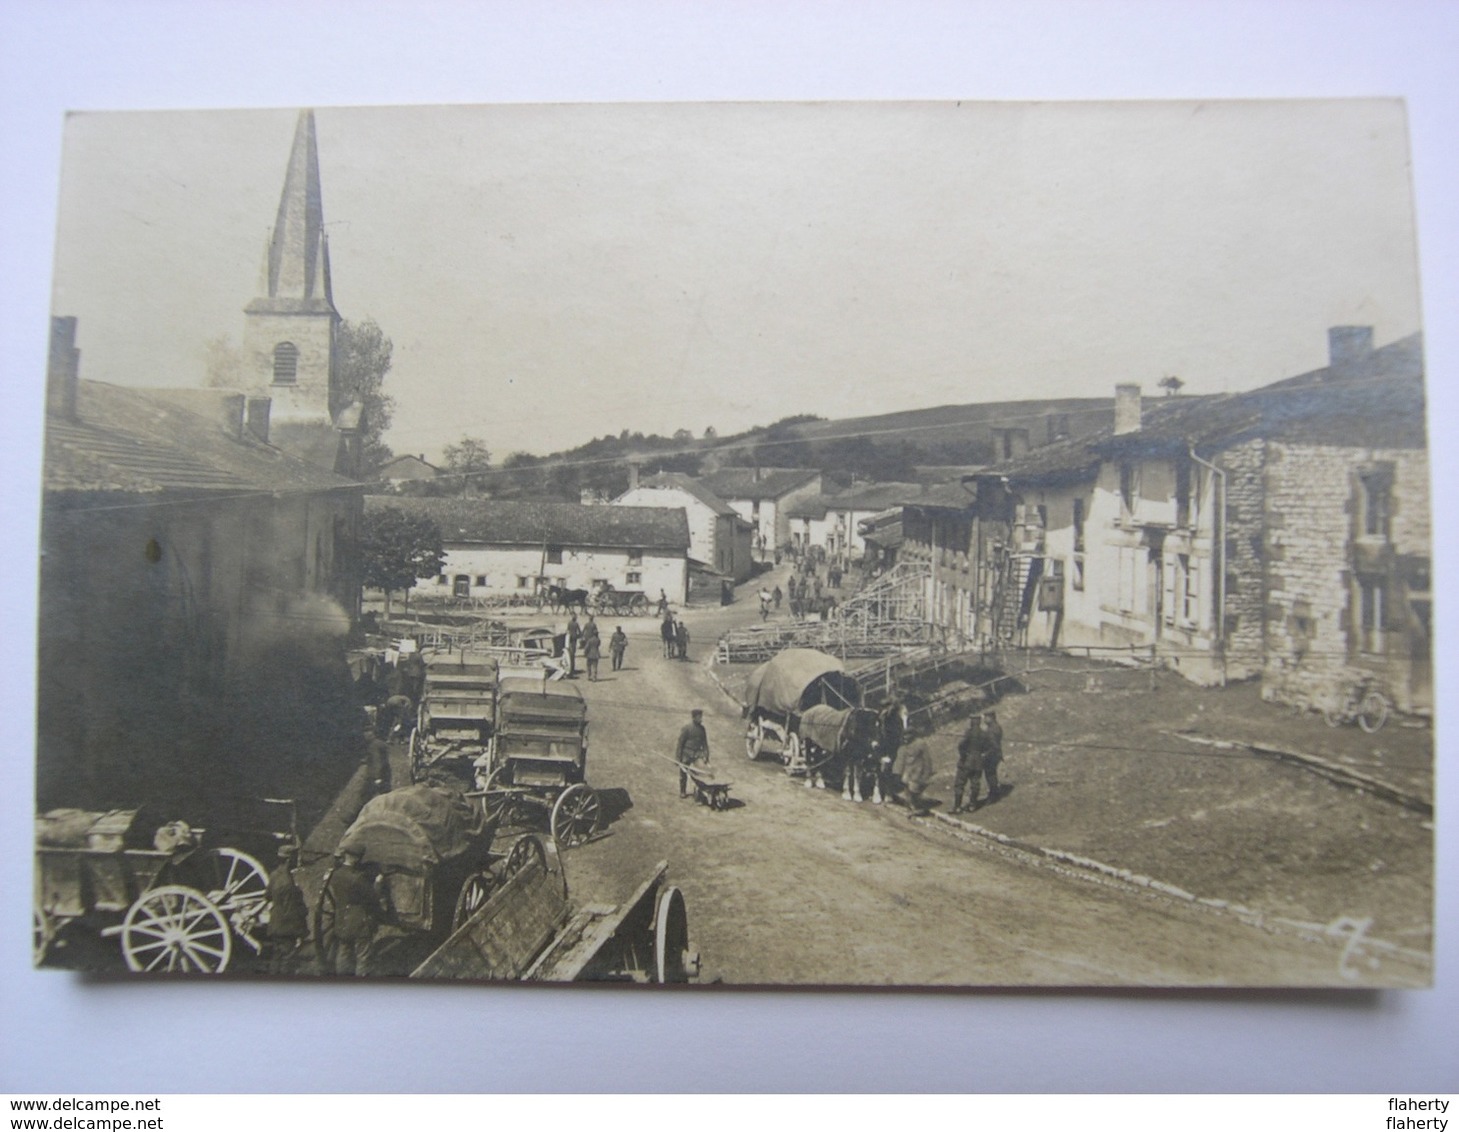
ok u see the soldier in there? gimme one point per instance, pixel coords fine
(617, 646)
(358, 913)
(993, 754)
(681, 639)
(288, 916)
(916, 773)
(666, 631)
(574, 635)
(971, 749)
(692, 748)
(592, 652)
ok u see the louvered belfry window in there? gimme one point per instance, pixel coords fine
(286, 363)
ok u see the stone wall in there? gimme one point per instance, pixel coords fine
(1245, 558)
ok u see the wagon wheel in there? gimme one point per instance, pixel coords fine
(415, 753)
(1373, 713)
(176, 929)
(243, 893)
(672, 960)
(45, 934)
(1334, 713)
(326, 909)
(504, 805)
(792, 757)
(474, 893)
(576, 814)
(754, 739)
(524, 851)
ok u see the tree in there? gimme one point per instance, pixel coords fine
(710, 432)
(1171, 384)
(362, 359)
(466, 460)
(397, 548)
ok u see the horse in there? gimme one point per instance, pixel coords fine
(846, 742)
(560, 597)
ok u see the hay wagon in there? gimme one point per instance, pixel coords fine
(176, 901)
(538, 762)
(781, 690)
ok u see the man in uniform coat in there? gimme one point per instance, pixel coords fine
(692, 748)
(288, 916)
(357, 915)
(617, 646)
(916, 772)
(971, 749)
(992, 754)
(574, 635)
(592, 653)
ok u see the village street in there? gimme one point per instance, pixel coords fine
(798, 886)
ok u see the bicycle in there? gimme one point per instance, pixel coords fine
(1361, 703)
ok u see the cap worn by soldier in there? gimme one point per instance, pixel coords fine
(697, 713)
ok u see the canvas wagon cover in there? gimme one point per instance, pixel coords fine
(781, 683)
(412, 828)
(824, 726)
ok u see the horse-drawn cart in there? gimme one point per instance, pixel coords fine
(539, 761)
(781, 690)
(457, 713)
(620, 603)
(176, 902)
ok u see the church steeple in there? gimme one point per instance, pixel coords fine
(290, 327)
(297, 267)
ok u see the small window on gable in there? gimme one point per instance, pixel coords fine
(286, 363)
(1377, 502)
(554, 554)
(635, 557)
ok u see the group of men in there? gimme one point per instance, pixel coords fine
(675, 635)
(587, 639)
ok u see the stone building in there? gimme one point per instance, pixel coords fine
(832, 522)
(1280, 533)
(497, 548)
(197, 584)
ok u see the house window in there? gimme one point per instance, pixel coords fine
(635, 577)
(1079, 529)
(462, 588)
(481, 579)
(1376, 503)
(1129, 563)
(1129, 488)
(1183, 507)
(1190, 594)
(1372, 605)
(635, 558)
(523, 582)
(441, 579)
(1076, 572)
(554, 554)
(286, 363)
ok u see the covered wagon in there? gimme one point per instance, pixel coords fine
(782, 690)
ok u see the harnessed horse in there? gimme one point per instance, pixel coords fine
(847, 743)
(560, 597)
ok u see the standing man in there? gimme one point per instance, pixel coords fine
(617, 646)
(592, 652)
(692, 748)
(916, 773)
(993, 754)
(681, 639)
(574, 635)
(971, 749)
(288, 916)
(357, 914)
(778, 596)
(666, 631)
(764, 603)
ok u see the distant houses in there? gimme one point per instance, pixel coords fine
(497, 548)
(764, 497)
(1281, 533)
(719, 538)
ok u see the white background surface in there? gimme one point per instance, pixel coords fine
(59, 1032)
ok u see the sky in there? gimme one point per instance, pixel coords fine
(550, 273)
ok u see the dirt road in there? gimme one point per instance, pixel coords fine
(798, 886)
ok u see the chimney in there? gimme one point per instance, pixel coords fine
(632, 474)
(256, 415)
(63, 369)
(1127, 409)
(1348, 344)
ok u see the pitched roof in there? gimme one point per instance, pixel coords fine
(516, 522)
(690, 485)
(128, 440)
(764, 483)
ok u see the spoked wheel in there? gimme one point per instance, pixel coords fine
(1373, 713)
(524, 851)
(792, 756)
(576, 815)
(754, 740)
(474, 894)
(1334, 715)
(673, 962)
(326, 911)
(503, 804)
(45, 934)
(176, 929)
(242, 893)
